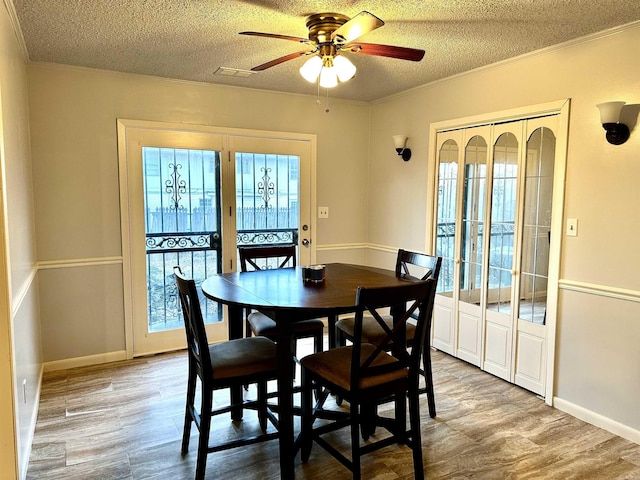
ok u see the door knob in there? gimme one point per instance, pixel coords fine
(305, 242)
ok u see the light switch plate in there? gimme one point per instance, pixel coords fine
(572, 227)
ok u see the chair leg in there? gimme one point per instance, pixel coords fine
(262, 405)
(428, 378)
(205, 427)
(368, 413)
(355, 440)
(341, 341)
(188, 410)
(416, 441)
(306, 427)
(247, 334)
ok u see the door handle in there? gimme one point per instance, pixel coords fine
(305, 242)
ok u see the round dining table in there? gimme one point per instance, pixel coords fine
(284, 295)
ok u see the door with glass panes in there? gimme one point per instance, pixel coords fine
(493, 217)
(189, 201)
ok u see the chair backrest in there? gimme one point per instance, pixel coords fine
(428, 262)
(258, 257)
(415, 296)
(197, 343)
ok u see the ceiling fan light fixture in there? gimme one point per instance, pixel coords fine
(311, 69)
(345, 69)
(328, 77)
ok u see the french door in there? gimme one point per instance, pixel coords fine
(189, 197)
(499, 191)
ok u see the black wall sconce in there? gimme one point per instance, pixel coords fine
(400, 141)
(617, 133)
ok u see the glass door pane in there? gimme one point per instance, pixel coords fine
(267, 206)
(446, 215)
(182, 227)
(537, 225)
(475, 179)
(502, 228)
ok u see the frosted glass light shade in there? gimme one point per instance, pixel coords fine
(617, 133)
(311, 69)
(328, 77)
(399, 141)
(610, 111)
(344, 68)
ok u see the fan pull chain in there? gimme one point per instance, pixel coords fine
(319, 102)
(326, 108)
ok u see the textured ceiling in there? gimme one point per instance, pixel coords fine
(191, 39)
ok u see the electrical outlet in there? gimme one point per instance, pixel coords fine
(323, 212)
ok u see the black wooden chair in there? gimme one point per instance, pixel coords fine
(229, 364)
(372, 332)
(259, 324)
(367, 375)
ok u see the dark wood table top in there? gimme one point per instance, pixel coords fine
(283, 289)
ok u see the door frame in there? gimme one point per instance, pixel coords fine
(128, 125)
(558, 107)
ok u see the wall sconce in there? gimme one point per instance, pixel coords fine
(400, 141)
(617, 133)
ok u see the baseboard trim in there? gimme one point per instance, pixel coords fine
(85, 361)
(598, 420)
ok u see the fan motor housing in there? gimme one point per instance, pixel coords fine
(322, 25)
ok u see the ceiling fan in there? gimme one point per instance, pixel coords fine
(331, 35)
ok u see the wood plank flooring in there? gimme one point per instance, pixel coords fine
(124, 421)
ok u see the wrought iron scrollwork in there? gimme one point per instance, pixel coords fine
(267, 237)
(181, 242)
(174, 186)
(266, 188)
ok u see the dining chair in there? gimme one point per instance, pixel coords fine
(222, 365)
(367, 375)
(259, 324)
(372, 332)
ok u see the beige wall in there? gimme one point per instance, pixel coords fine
(20, 357)
(73, 121)
(598, 358)
(375, 200)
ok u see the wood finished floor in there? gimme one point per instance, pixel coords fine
(124, 421)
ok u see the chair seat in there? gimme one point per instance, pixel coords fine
(335, 366)
(372, 332)
(264, 326)
(243, 357)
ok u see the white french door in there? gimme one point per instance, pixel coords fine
(189, 197)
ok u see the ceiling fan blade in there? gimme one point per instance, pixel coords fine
(362, 23)
(276, 35)
(280, 60)
(403, 53)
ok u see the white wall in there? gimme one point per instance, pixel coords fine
(598, 358)
(20, 352)
(73, 120)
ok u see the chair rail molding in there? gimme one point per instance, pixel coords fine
(79, 262)
(600, 290)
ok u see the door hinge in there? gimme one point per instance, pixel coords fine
(229, 210)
